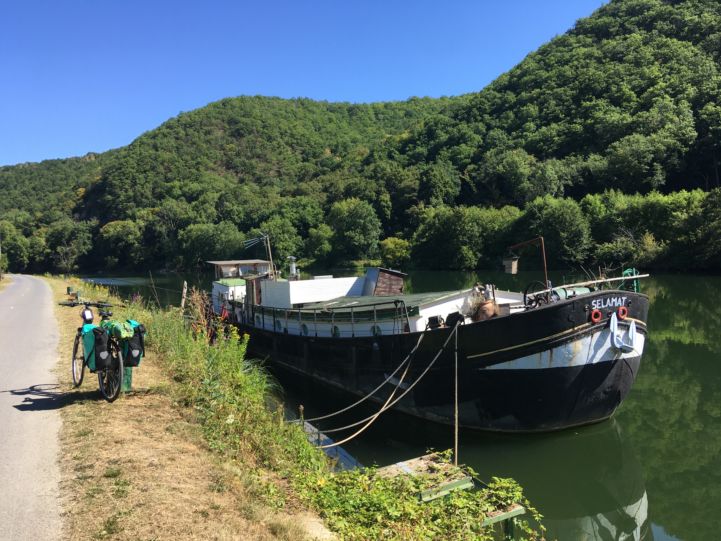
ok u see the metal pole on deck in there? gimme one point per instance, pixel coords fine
(455, 411)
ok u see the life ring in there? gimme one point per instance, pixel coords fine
(596, 316)
(622, 312)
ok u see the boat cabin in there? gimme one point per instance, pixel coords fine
(369, 305)
(237, 268)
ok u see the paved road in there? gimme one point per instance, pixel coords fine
(29, 419)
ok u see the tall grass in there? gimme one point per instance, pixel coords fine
(231, 394)
(232, 399)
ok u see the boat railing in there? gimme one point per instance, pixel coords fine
(592, 283)
(394, 310)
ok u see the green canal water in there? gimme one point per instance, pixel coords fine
(652, 472)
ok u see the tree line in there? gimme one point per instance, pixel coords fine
(677, 231)
(623, 107)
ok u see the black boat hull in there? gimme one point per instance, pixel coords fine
(544, 369)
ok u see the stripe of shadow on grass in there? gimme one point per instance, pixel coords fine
(47, 396)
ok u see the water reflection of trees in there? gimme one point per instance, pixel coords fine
(674, 411)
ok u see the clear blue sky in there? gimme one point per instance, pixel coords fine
(81, 76)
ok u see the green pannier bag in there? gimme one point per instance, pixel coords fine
(95, 347)
(134, 348)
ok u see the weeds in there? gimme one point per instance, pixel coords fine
(121, 488)
(111, 526)
(112, 473)
(230, 397)
(93, 491)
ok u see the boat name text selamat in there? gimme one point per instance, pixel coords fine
(614, 302)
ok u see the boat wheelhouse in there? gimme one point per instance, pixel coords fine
(229, 284)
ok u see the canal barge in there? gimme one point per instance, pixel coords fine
(535, 361)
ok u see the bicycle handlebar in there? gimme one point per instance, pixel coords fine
(87, 304)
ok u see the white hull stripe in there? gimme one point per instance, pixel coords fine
(590, 349)
(547, 338)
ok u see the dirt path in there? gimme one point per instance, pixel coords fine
(29, 420)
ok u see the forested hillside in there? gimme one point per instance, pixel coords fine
(629, 99)
(607, 140)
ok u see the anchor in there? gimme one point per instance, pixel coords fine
(616, 338)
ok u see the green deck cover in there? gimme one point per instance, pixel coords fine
(411, 300)
(231, 282)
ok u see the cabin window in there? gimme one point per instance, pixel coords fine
(304, 329)
(376, 330)
(335, 331)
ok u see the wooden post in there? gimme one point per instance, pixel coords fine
(185, 293)
(155, 291)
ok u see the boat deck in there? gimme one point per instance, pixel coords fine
(411, 300)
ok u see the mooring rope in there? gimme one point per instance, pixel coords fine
(373, 417)
(386, 406)
(374, 391)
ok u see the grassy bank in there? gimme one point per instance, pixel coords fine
(6, 281)
(141, 468)
(221, 404)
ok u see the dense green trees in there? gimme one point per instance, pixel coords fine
(709, 227)
(356, 229)
(67, 242)
(618, 114)
(462, 237)
(120, 243)
(15, 248)
(564, 227)
(395, 252)
(204, 242)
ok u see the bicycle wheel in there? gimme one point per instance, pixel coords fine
(111, 379)
(78, 362)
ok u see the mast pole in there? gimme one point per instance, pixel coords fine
(545, 267)
(540, 241)
(270, 256)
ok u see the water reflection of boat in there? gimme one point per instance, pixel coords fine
(588, 484)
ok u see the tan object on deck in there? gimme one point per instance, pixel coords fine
(486, 309)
